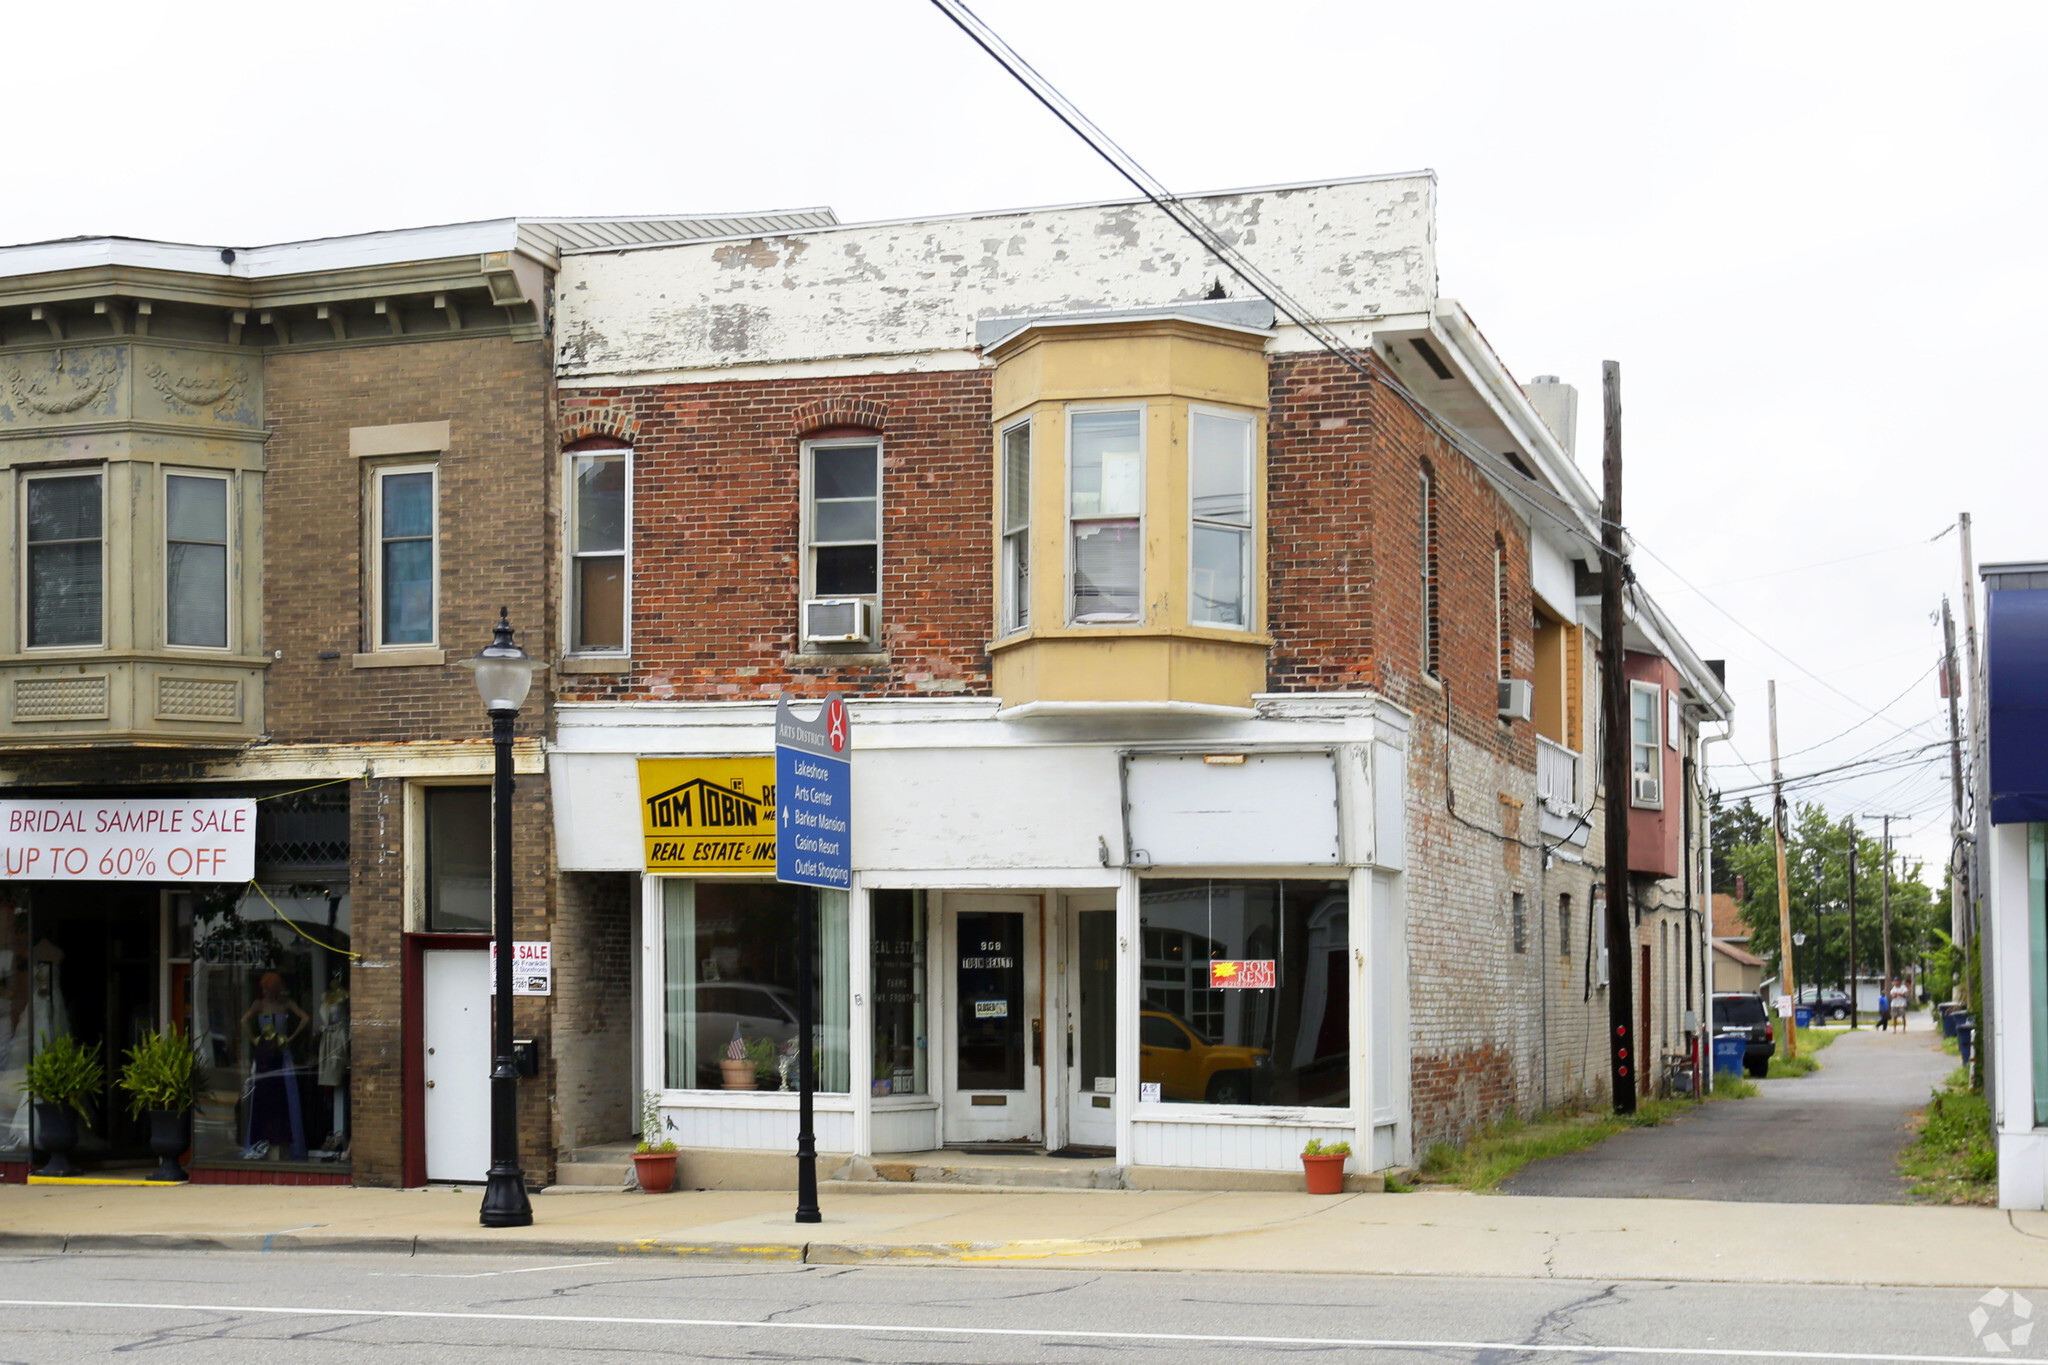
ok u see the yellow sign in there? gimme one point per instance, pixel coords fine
(708, 814)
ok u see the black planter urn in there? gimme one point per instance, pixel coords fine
(170, 1133)
(57, 1134)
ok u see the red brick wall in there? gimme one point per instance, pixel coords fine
(716, 482)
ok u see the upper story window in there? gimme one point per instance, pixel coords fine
(196, 560)
(64, 544)
(1016, 526)
(1106, 506)
(598, 484)
(842, 540)
(1504, 636)
(1220, 543)
(1646, 744)
(1432, 627)
(405, 568)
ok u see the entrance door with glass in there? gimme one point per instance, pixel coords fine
(994, 1066)
(1089, 933)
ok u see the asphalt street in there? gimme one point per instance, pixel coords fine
(229, 1308)
(1831, 1137)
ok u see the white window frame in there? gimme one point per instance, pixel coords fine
(1432, 650)
(1674, 718)
(1067, 508)
(1015, 608)
(1655, 745)
(806, 575)
(21, 522)
(1250, 527)
(164, 553)
(570, 582)
(376, 554)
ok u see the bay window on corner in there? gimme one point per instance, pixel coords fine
(64, 553)
(599, 558)
(196, 569)
(842, 541)
(1016, 527)
(1220, 540)
(1106, 511)
(1646, 745)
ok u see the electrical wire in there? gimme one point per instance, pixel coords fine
(1827, 563)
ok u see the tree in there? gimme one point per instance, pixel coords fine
(1733, 827)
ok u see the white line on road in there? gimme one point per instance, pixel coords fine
(480, 1274)
(1043, 1333)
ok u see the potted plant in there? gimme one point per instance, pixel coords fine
(1324, 1166)
(160, 1078)
(761, 1057)
(62, 1079)
(736, 1067)
(654, 1163)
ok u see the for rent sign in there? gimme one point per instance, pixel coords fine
(128, 841)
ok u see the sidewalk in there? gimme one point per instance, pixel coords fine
(1429, 1233)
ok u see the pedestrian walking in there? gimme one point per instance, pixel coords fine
(1898, 1004)
(1884, 1006)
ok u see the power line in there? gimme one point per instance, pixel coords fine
(1872, 716)
(1827, 563)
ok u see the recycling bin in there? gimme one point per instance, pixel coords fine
(1728, 1055)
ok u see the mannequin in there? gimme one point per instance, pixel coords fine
(42, 1022)
(334, 1059)
(269, 1028)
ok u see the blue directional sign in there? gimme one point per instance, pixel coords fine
(813, 797)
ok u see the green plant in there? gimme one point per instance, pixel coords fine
(1954, 1160)
(761, 1052)
(1733, 1088)
(1316, 1148)
(650, 1125)
(160, 1073)
(66, 1073)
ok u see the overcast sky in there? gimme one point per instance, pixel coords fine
(1810, 234)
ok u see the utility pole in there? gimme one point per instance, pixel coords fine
(1956, 874)
(1887, 921)
(1788, 987)
(1614, 756)
(1855, 1017)
(1973, 958)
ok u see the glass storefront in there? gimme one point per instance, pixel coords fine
(1245, 992)
(730, 966)
(898, 963)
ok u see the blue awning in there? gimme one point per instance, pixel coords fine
(2016, 660)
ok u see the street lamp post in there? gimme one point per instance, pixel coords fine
(503, 672)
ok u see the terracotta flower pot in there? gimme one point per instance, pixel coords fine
(1325, 1173)
(655, 1171)
(738, 1075)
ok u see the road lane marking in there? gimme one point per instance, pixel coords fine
(1042, 1333)
(480, 1274)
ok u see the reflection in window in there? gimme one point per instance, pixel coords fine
(62, 538)
(730, 980)
(845, 520)
(898, 961)
(1017, 526)
(405, 556)
(1246, 992)
(1220, 539)
(196, 561)
(458, 864)
(598, 550)
(1106, 483)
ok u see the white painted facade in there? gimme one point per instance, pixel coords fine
(952, 800)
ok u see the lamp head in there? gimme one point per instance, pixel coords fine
(504, 671)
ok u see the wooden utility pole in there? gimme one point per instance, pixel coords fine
(1855, 1016)
(1956, 874)
(1788, 985)
(1887, 902)
(1614, 758)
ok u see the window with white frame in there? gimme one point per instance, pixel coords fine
(1646, 744)
(196, 560)
(64, 548)
(843, 518)
(1432, 626)
(597, 550)
(1016, 526)
(1105, 515)
(405, 569)
(1220, 534)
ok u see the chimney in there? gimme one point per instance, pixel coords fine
(1557, 403)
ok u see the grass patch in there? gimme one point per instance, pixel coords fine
(1785, 1068)
(1733, 1088)
(1953, 1161)
(1501, 1149)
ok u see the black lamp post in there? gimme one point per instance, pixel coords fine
(503, 675)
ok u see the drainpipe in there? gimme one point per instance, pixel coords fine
(1707, 911)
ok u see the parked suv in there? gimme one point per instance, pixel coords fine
(1738, 1014)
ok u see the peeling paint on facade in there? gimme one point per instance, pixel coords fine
(914, 290)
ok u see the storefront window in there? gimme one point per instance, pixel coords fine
(269, 1011)
(898, 962)
(17, 1005)
(730, 960)
(1246, 993)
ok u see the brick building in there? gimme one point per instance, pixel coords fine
(1224, 714)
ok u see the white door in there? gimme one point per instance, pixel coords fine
(458, 1043)
(994, 1063)
(1090, 1018)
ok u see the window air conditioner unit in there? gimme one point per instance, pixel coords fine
(1646, 789)
(1517, 699)
(838, 621)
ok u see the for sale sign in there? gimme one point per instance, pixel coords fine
(128, 841)
(1249, 974)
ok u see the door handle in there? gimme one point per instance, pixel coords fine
(1038, 1042)
(430, 1085)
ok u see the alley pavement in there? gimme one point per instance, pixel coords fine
(1830, 1137)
